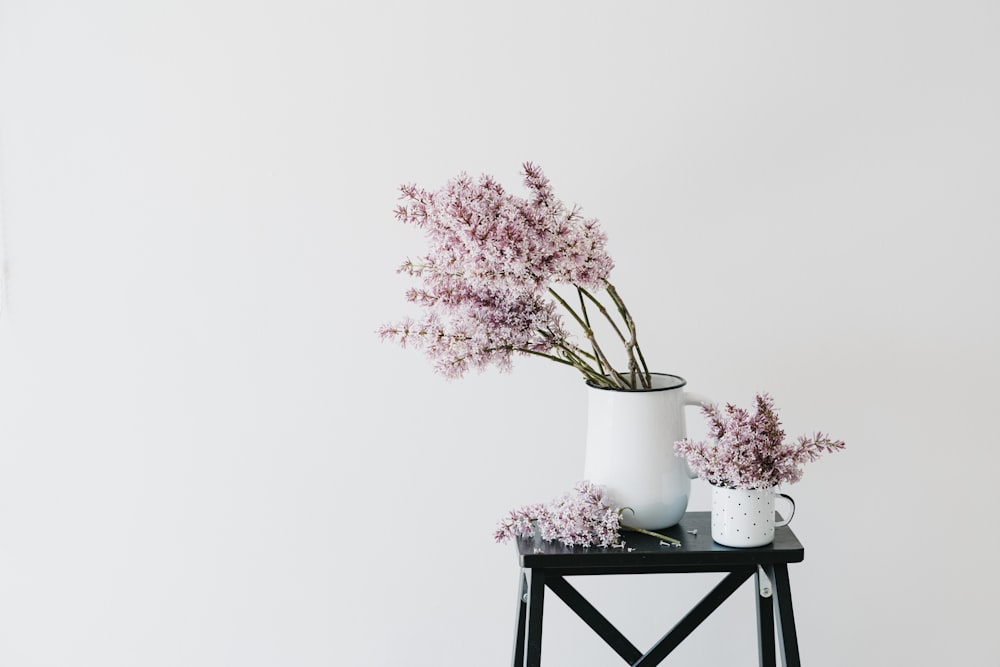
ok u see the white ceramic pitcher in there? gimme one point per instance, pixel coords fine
(630, 449)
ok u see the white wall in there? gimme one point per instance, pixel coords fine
(206, 456)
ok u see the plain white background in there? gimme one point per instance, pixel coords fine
(207, 457)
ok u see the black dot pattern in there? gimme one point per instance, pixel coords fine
(742, 517)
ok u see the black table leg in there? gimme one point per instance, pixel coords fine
(787, 637)
(765, 620)
(522, 611)
(536, 602)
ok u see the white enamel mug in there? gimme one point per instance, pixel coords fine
(745, 517)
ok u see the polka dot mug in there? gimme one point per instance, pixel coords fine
(745, 517)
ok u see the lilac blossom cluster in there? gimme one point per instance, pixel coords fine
(487, 283)
(584, 516)
(750, 451)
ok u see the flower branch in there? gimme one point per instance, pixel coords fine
(586, 319)
(584, 516)
(488, 281)
(749, 451)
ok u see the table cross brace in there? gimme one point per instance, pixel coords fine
(626, 649)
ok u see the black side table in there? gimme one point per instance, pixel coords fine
(549, 563)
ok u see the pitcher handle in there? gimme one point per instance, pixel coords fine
(691, 398)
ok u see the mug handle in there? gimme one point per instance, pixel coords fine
(785, 522)
(691, 398)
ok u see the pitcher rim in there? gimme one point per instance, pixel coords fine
(681, 382)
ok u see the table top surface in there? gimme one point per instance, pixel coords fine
(644, 553)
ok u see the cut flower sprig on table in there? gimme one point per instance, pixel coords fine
(584, 516)
(748, 451)
(491, 279)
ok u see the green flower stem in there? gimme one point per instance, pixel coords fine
(631, 344)
(543, 354)
(632, 366)
(579, 351)
(586, 318)
(579, 358)
(572, 360)
(576, 357)
(652, 534)
(616, 377)
(607, 315)
(630, 323)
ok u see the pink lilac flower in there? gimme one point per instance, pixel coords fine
(749, 451)
(489, 327)
(584, 516)
(487, 281)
